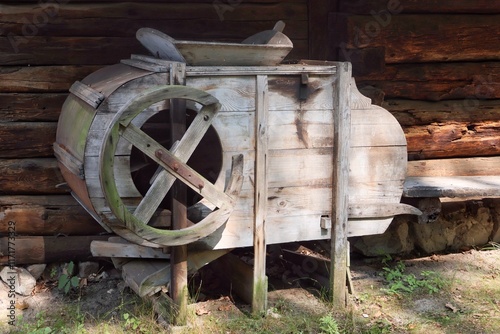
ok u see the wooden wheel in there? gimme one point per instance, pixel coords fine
(173, 163)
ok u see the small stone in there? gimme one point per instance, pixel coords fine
(36, 270)
(85, 269)
(18, 280)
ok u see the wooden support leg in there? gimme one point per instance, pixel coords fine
(179, 287)
(340, 205)
(259, 300)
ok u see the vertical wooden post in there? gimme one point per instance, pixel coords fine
(179, 285)
(259, 295)
(340, 199)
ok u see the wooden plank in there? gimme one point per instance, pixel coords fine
(340, 177)
(454, 139)
(27, 139)
(124, 19)
(464, 80)
(259, 291)
(477, 166)
(50, 79)
(46, 215)
(421, 6)
(411, 113)
(125, 250)
(41, 249)
(60, 50)
(30, 176)
(402, 36)
(456, 186)
(31, 107)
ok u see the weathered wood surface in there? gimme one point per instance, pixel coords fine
(471, 80)
(453, 140)
(259, 282)
(27, 139)
(340, 184)
(49, 79)
(39, 249)
(479, 166)
(26, 107)
(30, 176)
(46, 215)
(421, 6)
(125, 250)
(455, 186)
(472, 110)
(413, 38)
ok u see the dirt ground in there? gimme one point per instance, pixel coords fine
(468, 303)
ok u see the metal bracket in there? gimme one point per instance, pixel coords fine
(303, 91)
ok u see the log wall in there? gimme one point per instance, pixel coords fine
(47, 45)
(436, 64)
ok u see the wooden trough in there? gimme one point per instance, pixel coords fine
(271, 154)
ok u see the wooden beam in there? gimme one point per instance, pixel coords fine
(259, 297)
(33, 250)
(125, 250)
(477, 166)
(454, 186)
(340, 177)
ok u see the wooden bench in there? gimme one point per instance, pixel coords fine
(463, 178)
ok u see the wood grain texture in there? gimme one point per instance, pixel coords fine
(468, 80)
(27, 139)
(421, 6)
(455, 186)
(477, 166)
(46, 249)
(26, 107)
(30, 176)
(46, 215)
(412, 38)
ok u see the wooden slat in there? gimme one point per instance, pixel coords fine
(340, 178)
(125, 250)
(46, 215)
(478, 166)
(30, 176)
(259, 291)
(456, 186)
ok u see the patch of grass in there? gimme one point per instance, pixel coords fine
(400, 281)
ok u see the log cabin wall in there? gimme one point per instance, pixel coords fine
(435, 65)
(47, 45)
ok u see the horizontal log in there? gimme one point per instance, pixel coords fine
(31, 107)
(410, 113)
(41, 50)
(179, 20)
(480, 166)
(49, 79)
(30, 177)
(421, 6)
(453, 140)
(456, 186)
(27, 139)
(39, 249)
(437, 81)
(46, 215)
(413, 38)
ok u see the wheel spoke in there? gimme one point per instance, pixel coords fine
(179, 155)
